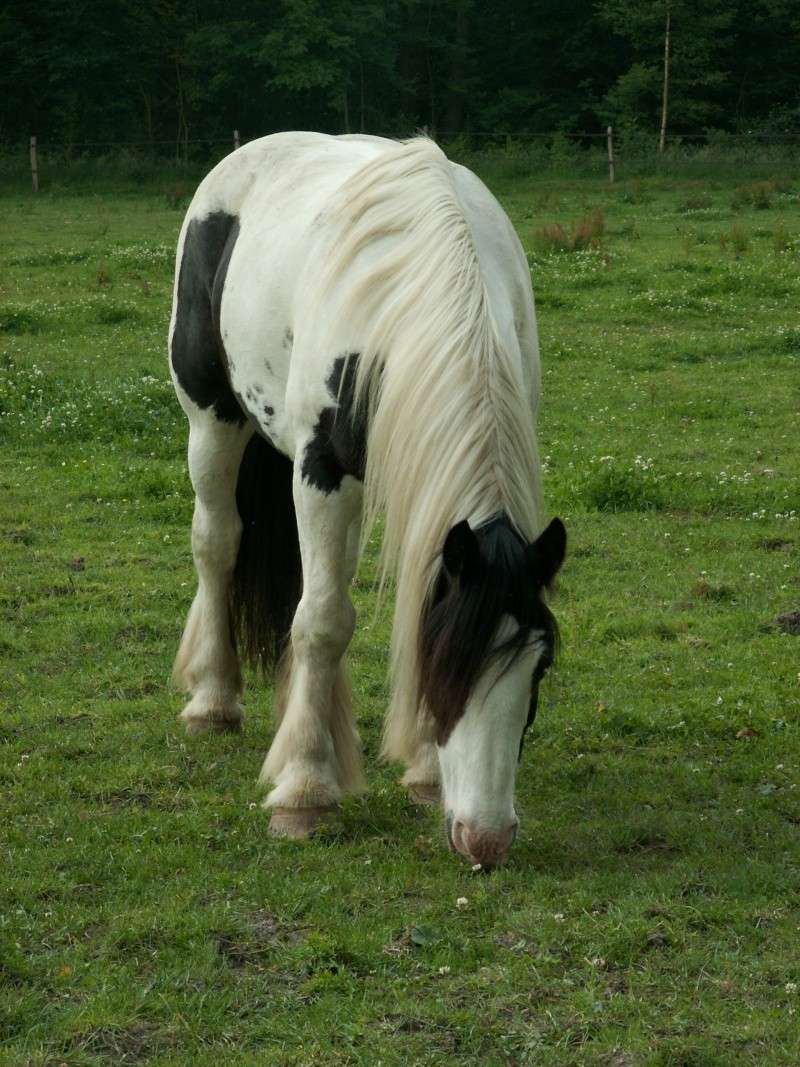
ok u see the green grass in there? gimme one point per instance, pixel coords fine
(650, 912)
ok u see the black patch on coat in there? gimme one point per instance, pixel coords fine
(339, 444)
(198, 355)
(485, 574)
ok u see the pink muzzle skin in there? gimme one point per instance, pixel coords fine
(490, 848)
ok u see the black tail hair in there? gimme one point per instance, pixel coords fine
(268, 578)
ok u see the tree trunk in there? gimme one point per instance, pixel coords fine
(183, 125)
(361, 74)
(431, 83)
(148, 113)
(665, 93)
(456, 93)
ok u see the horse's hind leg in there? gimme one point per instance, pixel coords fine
(206, 664)
(315, 755)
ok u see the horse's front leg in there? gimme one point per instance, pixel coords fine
(315, 755)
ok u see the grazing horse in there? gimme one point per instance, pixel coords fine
(353, 334)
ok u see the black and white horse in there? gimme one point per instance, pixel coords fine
(353, 333)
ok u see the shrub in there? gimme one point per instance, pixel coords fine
(19, 320)
(736, 239)
(780, 237)
(757, 195)
(612, 488)
(586, 232)
(634, 192)
(699, 202)
(178, 195)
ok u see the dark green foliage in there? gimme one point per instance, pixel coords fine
(155, 71)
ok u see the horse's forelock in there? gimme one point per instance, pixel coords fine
(461, 619)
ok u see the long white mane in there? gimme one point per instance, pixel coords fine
(451, 432)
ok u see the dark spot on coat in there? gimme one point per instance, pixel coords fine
(269, 411)
(198, 354)
(339, 444)
(288, 338)
(258, 388)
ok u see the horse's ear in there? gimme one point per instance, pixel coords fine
(546, 554)
(461, 553)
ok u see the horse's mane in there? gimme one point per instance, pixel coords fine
(451, 433)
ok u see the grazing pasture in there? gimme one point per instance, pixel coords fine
(650, 911)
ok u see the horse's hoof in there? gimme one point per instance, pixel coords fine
(426, 794)
(299, 823)
(212, 722)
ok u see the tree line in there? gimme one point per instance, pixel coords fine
(78, 71)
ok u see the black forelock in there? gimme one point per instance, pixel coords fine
(462, 616)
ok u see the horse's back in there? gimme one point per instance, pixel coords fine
(280, 171)
(247, 316)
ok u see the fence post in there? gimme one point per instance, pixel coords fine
(236, 141)
(610, 143)
(34, 166)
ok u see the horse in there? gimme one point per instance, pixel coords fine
(353, 335)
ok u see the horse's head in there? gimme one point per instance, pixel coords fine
(487, 638)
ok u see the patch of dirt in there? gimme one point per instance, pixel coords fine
(657, 912)
(657, 939)
(19, 537)
(262, 934)
(515, 943)
(646, 842)
(776, 544)
(693, 641)
(789, 623)
(123, 798)
(81, 719)
(618, 1058)
(398, 1023)
(129, 1044)
(61, 590)
(134, 692)
(132, 633)
(440, 1034)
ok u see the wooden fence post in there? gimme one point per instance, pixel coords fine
(236, 141)
(34, 166)
(610, 143)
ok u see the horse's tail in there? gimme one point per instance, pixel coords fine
(267, 580)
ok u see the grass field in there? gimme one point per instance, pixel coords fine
(650, 914)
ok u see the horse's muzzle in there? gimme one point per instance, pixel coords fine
(490, 848)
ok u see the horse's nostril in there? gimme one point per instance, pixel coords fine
(457, 842)
(448, 823)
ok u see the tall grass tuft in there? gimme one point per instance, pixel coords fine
(737, 239)
(780, 237)
(585, 232)
(756, 195)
